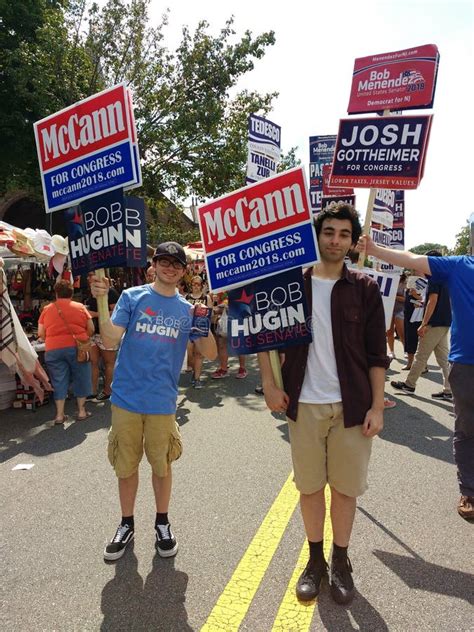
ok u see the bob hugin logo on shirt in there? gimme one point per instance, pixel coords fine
(157, 324)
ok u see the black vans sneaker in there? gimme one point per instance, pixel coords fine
(342, 584)
(166, 543)
(117, 546)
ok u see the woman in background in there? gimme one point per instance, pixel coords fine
(59, 324)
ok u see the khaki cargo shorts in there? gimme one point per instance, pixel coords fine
(324, 451)
(130, 433)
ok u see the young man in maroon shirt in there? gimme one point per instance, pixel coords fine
(333, 397)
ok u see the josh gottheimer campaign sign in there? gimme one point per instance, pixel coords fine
(384, 153)
(258, 231)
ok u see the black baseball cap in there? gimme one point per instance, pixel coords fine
(171, 249)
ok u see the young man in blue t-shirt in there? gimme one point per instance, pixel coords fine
(153, 323)
(457, 273)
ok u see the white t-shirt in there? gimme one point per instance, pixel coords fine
(321, 381)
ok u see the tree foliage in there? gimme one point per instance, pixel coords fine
(461, 246)
(423, 248)
(191, 120)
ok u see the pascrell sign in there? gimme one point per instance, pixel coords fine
(384, 153)
(88, 148)
(404, 79)
(258, 230)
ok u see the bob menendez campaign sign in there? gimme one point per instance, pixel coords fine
(258, 231)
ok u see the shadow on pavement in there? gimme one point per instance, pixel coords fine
(215, 392)
(419, 574)
(129, 605)
(36, 435)
(417, 430)
(337, 619)
(422, 575)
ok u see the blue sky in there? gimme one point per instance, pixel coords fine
(311, 68)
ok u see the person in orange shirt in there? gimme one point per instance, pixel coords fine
(59, 324)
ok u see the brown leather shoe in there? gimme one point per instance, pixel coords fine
(466, 507)
(309, 583)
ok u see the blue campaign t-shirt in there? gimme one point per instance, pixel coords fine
(152, 350)
(458, 274)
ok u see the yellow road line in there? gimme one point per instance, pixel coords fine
(293, 615)
(234, 602)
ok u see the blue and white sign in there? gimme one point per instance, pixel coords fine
(107, 170)
(321, 153)
(264, 147)
(268, 314)
(388, 285)
(384, 207)
(380, 237)
(107, 231)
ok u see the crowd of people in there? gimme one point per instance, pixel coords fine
(333, 389)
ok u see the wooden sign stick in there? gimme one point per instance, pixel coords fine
(276, 367)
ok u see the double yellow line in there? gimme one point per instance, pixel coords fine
(235, 600)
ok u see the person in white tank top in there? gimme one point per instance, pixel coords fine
(328, 444)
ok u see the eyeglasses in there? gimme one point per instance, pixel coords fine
(166, 263)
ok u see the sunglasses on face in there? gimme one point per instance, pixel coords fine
(166, 263)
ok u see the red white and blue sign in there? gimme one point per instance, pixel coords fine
(107, 231)
(258, 231)
(402, 80)
(383, 153)
(335, 195)
(263, 148)
(384, 207)
(321, 152)
(268, 314)
(87, 149)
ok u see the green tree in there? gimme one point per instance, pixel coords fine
(461, 246)
(36, 66)
(289, 160)
(168, 224)
(422, 248)
(192, 132)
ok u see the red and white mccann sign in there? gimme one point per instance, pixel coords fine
(88, 148)
(403, 80)
(258, 231)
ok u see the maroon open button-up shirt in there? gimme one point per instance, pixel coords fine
(358, 329)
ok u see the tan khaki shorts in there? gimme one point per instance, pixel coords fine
(324, 451)
(131, 432)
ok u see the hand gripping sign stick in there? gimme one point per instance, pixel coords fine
(102, 301)
(368, 214)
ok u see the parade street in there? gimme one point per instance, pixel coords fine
(235, 513)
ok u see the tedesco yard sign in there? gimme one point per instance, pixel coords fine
(258, 231)
(87, 149)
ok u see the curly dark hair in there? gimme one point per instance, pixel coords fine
(340, 211)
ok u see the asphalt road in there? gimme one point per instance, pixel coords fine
(235, 514)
